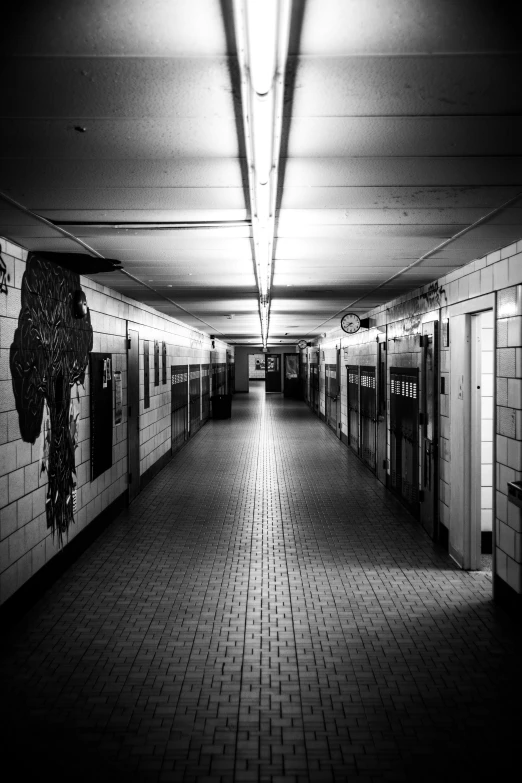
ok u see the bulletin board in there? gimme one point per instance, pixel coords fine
(101, 376)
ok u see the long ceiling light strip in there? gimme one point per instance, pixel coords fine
(262, 33)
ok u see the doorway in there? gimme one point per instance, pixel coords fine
(472, 429)
(292, 375)
(273, 372)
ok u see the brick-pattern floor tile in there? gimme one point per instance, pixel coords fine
(264, 611)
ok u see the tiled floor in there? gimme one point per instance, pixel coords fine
(265, 611)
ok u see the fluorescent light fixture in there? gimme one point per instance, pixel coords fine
(262, 113)
(262, 20)
(262, 32)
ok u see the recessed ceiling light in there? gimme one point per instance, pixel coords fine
(170, 286)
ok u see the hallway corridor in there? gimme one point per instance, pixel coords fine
(264, 611)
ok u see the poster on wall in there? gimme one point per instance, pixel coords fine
(292, 366)
(101, 413)
(117, 397)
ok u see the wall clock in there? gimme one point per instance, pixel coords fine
(350, 323)
(302, 344)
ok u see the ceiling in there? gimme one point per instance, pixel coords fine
(122, 122)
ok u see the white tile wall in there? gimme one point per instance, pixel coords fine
(26, 543)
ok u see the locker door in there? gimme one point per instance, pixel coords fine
(205, 391)
(303, 376)
(219, 380)
(429, 429)
(179, 405)
(195, 398)
(331, 394)
(352, 371)
(368, 417)
(404, 436)
(314, 386)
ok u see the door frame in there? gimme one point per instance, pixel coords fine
(133, 410)
(463, 533)
(279, 358)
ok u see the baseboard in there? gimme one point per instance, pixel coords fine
(455, 555)
(30, 592)
(160, 463)
(507, 598)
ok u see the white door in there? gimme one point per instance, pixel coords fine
(471, 438)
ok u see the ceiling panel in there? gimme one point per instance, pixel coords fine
(146, 138)
(295, 219)
(386, 171)
(123, 173)
(120, 28)
(402, 127)
(42, 198)
(409, 136)
(338, 27)
(397, 197)
(112, 88)
(405, 85)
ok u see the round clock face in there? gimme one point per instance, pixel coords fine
(350, 323)
(302, 344)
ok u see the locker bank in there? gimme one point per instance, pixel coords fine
(261, 390)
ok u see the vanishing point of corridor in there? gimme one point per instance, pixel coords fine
(264, 611)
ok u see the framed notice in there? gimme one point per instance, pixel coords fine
(101, 413)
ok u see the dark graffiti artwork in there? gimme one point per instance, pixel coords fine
(4, 277)
(48, 356)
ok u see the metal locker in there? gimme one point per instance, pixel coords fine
(404, 436)
(331, 395)
(352, 371)
(314, 385)
(368, 411)
(179, 405)
(429, 429)
(205, 392)
(195, 397)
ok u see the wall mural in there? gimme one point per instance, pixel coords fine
(48, 357)
(4, 277)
